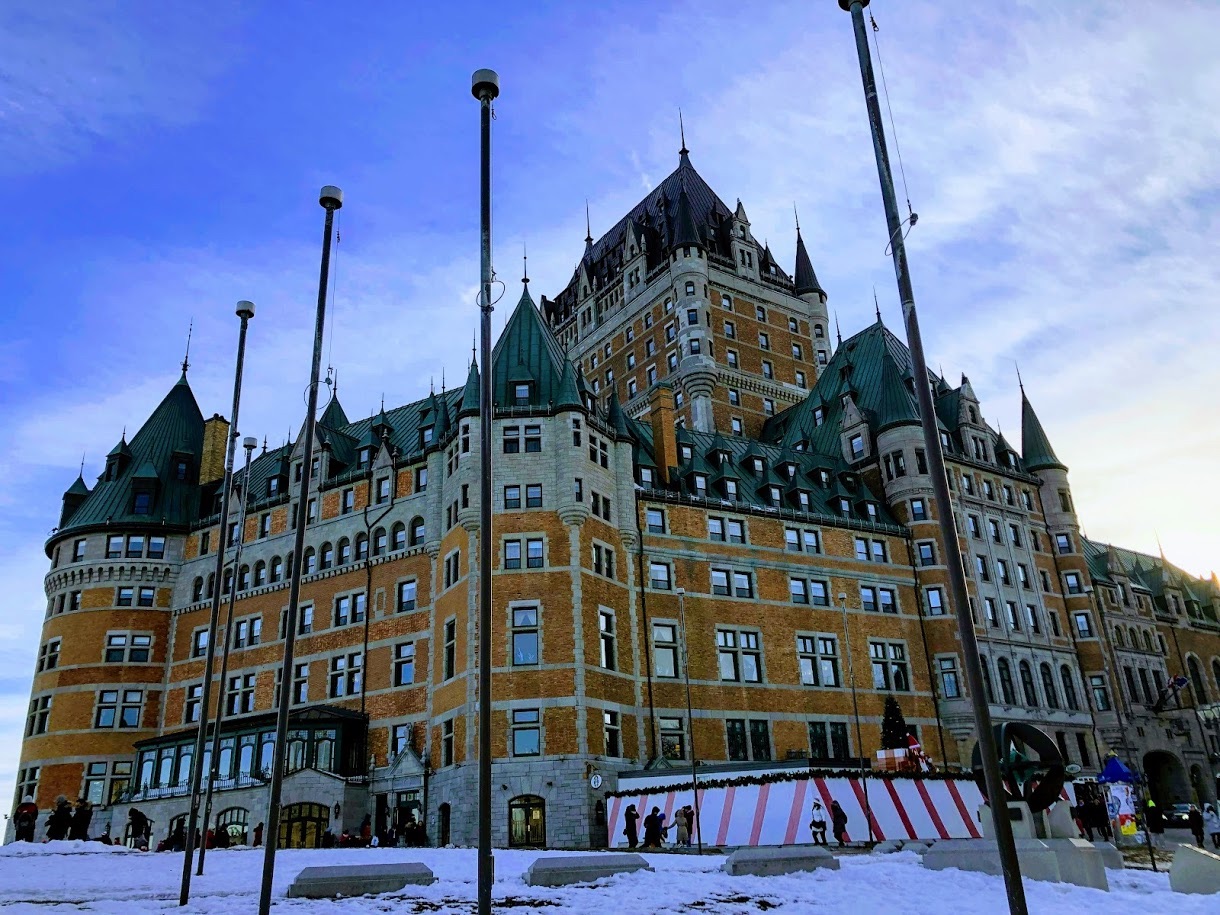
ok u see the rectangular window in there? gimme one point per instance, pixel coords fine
(1072, 581)
(406, 596)
(868, 598)
(605, 625)
(512, 554)
(512, 496)
(305, 620)
(936, 602)
(889, 662)
(533, 554)
(383, 490)
(739, 654)
(240, 694)
(1101, 696)
(525, 635)
(40, 713)
(533, 495)
(926, 553)
(450, 664)
(949, 686)
(659, 576)
(1084, 626)
(611, 733)
(194, 698)
(665, 649)
(346, 675)
(817, 657)
(656, 520)
(1063, 543)
(404, 663)
(146, 597)
(527, 732)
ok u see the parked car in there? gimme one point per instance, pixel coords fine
(1178, 815)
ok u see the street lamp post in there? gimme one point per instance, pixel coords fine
(245, 311)
(249, 443)
(855, 707)
(690, 721)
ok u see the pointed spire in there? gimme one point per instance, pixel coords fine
(616, 417)
(877, 306)
(683, 153)
(685, 232)
(525, 259)
(264, 444)
(588, 230)
(186, 358)
(1020, 383)
(838, 333)
(1036, 450)
(470, 393)
(805, 280)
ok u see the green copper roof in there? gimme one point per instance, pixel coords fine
(1036, 450)
(79, 488)
(470, 393)
(806, 280)
(527, 352)
(333, 416)
(175, 426)
(895, 404)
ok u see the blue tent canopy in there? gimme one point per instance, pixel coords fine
(1115, 771)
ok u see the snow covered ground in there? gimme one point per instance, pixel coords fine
(89, 877)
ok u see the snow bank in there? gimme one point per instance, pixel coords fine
(62, 847)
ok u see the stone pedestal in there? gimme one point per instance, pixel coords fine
(561, 870)
(791, 859)
(358, 880)
(1194, 870)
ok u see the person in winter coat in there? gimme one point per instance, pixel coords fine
(60, 820)
(81, 817)
(683, 824)
(25, 818)
(654, 828)
(1211, 824)
(137, 828)
(1101, 819)
(258, 835)
(817, 825)
(1194, 819)
(838, 821)
(632, 832)
(690, 824)
(1155, 823)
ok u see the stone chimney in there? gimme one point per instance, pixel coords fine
(215, 446)
(664, 438)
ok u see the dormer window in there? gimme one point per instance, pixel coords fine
(819, 416)
(425, 436)
(521, 394)
(315, 467)
(757, 465)
(141, 503)
(273, 486)
(824, 477)
(182, 469)
(845, 508)
(774, 494)
(857, 447)
(802, 497)
(974, 416)
(364, 457)
(870, 509)
(700, 484)
(685, 450)
(730, 489)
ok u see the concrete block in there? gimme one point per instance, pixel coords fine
(1194, 870)
(1054, 860)
(887, 847)
(791, 859)
(916, 845)
(561, 870)
(1111, 857)
(358, 880)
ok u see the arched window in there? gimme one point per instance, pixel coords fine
(1069, 688)
(302, 825)
(1007, 693)
(277, 568)
(260, 573)
(311, 561)
(235, 821)
(527, 821)
(1048, 686)
(1119, 638)
(362, 546)
(243, 578)
(345, 551)
(400, 536)
(417, 531)
(211, 584)
(1196, 679)
(690, 288)
(228, 583)
(379, 541)
(1148, 640)
(819, 331)
(327, 556)
(197, 589)
(1027, 683)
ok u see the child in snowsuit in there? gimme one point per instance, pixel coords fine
(817, 825)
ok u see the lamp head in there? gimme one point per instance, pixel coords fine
(331, 197)
(485, 84)
(245, 309)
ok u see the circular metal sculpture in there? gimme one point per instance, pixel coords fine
(1030, 765)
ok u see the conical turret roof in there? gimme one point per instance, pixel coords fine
(805, 279)
(685, 231)
(895, 405)
(1036, 450)
(470, 393)
(527, 352)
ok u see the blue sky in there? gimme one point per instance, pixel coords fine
(161, 161)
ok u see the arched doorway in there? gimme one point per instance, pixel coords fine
(235, 821)
(442, 827)
(1167, 782)
(302, 825)
(527, 821)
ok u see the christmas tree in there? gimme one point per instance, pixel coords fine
(893, 726)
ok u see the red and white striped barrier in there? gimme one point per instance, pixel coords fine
(778, 813)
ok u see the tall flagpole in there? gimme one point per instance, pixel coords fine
(940, 482)
(485, 86)
(250, 443)
(245, 311)
(330, 199)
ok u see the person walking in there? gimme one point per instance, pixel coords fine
(653, 824)
(60, 820)
(1194, 819)
(1155, 823)
(1211, 824)
(817, 825)
(683, 824)
(25, 818)
(838, 822)
(258, 835)
(632, 832)
(1102, 819)
(137, 829)
(81, 817)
